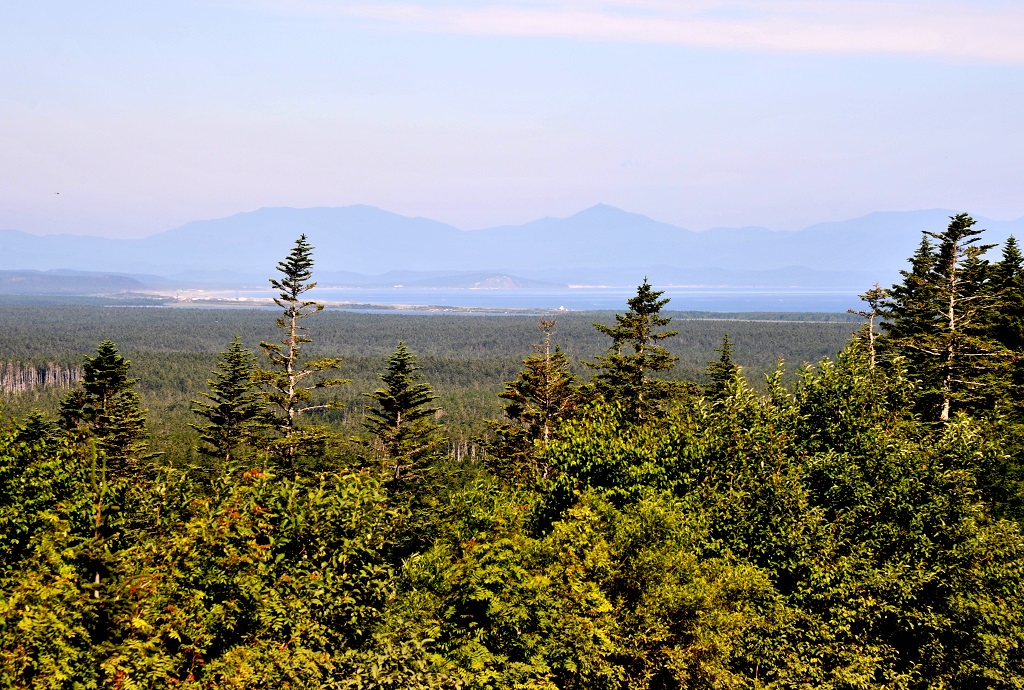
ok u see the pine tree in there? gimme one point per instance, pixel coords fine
(625, 373)
(544, 394)
(235, 408)
(400, 419)
(291, 379)
(107, 408)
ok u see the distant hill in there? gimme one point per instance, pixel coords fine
(363, 245)
(62, 282)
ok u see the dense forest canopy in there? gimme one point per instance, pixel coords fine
(629, 516)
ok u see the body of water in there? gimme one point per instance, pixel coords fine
(576, 299)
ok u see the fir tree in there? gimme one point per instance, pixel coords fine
(937, 317)
(722, 371)
(400, 420)
(876, 299)
(1007, 322)
(107, 408)
(626, 373)
(291, 379)
(544, 394)
(235, 408)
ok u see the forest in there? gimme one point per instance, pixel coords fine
(301, 498)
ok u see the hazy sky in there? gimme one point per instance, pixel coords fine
(127, 118)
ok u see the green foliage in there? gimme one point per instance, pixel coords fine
(820, 535)
(235, 408)
(286, 379)
(107, 408)
(722, 371)
(1006, 324)
(876, 298)
(543, 396)
(400, 419)
(634, 356)
(939, 314)
(607, 599)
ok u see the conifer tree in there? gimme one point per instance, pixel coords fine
(544, 394)
(1007, 322)
(1008, 281)
(876, 300)
(938, 317)
(107, 408)
(235, 408)
(400, 419)
(626, 372)
(908, 312)
(722, 371)
(291, 378)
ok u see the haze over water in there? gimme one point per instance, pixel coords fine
(579, 299)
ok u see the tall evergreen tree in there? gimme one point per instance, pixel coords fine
(876, 299)
(938, 315)
(544, 394)
(400, 420)
(908, 312)
(107, 408)
(291, 378)
(234, 409)
(626, 372)
(721, 371)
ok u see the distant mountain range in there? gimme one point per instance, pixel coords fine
(368, 247)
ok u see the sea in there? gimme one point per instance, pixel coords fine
(562, 299)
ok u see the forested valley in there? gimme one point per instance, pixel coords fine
(303, 498)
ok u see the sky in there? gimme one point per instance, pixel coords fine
(126, 118)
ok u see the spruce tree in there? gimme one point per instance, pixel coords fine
(544, 394)
(938, 315)
(400, 419)
(721, 371)
(107, 408)
(908, 312)
(1006, 324)
(876, 299)
(626, 373)
(1008, 281)
(235, 408)
(291, 379)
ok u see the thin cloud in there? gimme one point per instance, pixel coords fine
(988, 32)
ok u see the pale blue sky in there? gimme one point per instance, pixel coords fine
(145, 115)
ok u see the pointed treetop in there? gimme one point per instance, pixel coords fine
(1011, 264)
(297, 269)
(646, 301)
(106, 372)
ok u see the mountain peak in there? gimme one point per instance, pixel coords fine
(607, 211)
